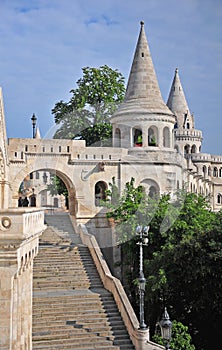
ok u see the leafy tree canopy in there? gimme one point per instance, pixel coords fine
(86, 115)
(182, 262)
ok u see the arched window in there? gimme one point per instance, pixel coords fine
(215, 172)
(100, 192)
(194, 149)
(151, 187)
(204, 171)
(220, 172)
(186, 149)
(137, 138)
(153, 136)
(153, 193)
(166, 137)
(117, 138)
(219, 198)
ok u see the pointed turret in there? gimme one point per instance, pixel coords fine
(37, 133)
(143, 92)
(178, 104)
(187, 138)
(137, 120)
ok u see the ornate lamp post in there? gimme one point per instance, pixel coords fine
(143, 240)
(166, 328)
(33, 119)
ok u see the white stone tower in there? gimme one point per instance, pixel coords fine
(187, 138)
(144, 125)
(143, 119)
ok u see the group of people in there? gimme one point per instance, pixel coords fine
(24, 202)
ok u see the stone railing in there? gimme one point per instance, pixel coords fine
(188, 133)
(140, 338)
(21, 223)
(20, 229)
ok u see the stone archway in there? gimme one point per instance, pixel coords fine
(151, 187)
(73, 205)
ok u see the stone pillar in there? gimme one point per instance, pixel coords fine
(19, 238)
(6, 306)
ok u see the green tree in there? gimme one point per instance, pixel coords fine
(57, 186)
(180, 340)
(183, 258)
(86, 115)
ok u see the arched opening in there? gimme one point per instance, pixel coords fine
(153, 136)
(50, 189)
(151, 188)
(137, 137)
(215, 172)
(117, 138)
(186, 149)
(219, 198)
(194, 149)
(166, 137)
(204, 171)
(100, 193)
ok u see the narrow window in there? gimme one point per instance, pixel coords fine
(100, 192)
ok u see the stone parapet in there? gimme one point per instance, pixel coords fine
(140, 338)
(19, 224)
(19, 238)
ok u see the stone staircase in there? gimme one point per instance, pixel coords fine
(71, 308)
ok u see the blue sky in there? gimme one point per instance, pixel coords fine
(45, 43)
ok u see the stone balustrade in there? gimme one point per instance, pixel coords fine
(20, 223)
(140, 338)
(20, 229)
(188, 132)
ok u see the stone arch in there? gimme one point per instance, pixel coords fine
(63, 175)
(137, 137)
(194, 149)
(219, 198)
(166, 137)
(204, 170)
(153, 136)
(100, 192)
(186, 149)
(215, 172)
(151, 187)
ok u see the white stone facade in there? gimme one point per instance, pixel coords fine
(154, 142)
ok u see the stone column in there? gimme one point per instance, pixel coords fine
(19, 238)
(6, 306)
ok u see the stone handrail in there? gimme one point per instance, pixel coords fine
(140, 338)
(21, 223)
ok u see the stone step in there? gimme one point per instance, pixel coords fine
(71, 308)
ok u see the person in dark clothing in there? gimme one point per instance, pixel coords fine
(20, 202)
(25, 202)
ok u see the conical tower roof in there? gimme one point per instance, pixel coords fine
(143, 93)
(177, 101)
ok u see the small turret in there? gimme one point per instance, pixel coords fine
(188, 139)
(178, 104)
